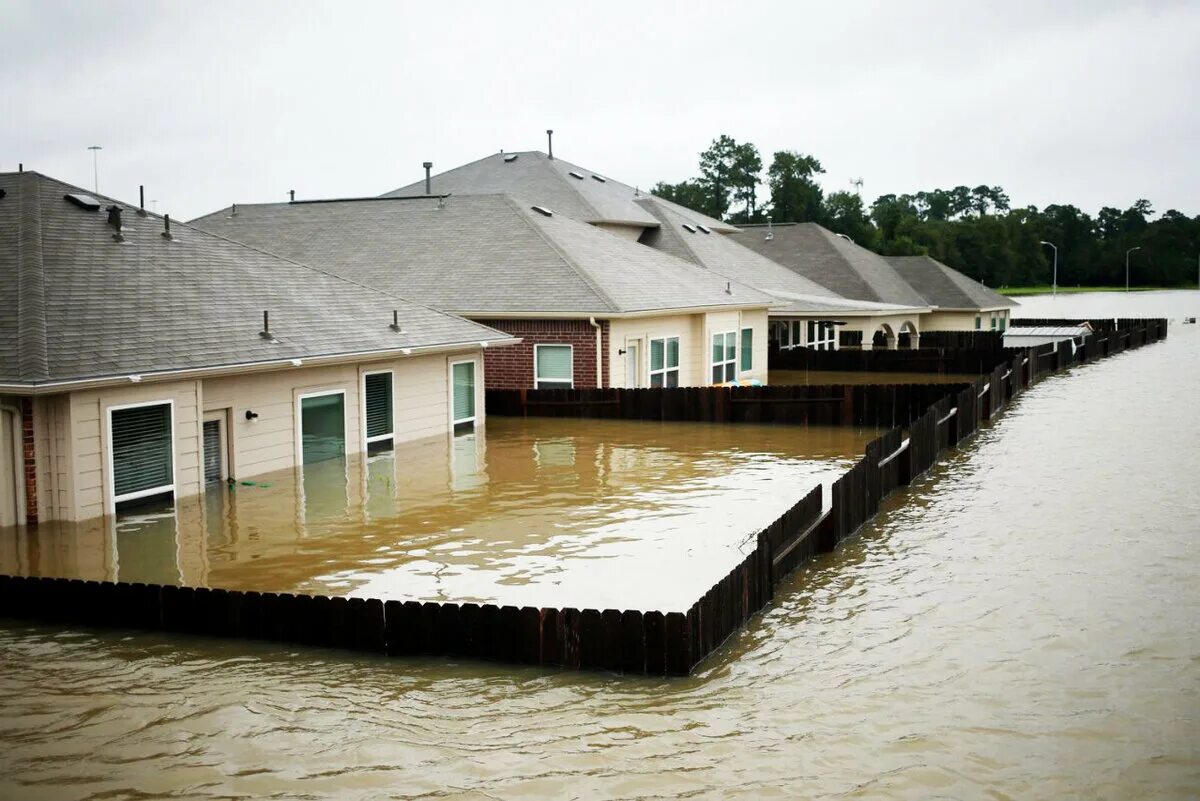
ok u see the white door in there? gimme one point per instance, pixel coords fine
(632, 360)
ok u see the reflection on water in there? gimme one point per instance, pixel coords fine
(1019, 625)
(541, 512)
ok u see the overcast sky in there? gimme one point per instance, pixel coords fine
(1093, 103)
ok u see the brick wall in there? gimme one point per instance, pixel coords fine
(30, 457)
(512, 367)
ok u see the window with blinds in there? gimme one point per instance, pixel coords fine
(747, 357)
(463, 377)
(377, 402)
(664, 362)
(553, 366)
(724, 357)
(142, 458)
(212, 451)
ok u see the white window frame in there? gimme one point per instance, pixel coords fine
(741, 351)
(639, 343)
(651, 372)
(826, 335)
(299, 430)
(113, 498)
(363, 407)
(450, 376)
(570, 384)
(723, 362)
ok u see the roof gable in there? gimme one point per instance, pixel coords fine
(946, 287)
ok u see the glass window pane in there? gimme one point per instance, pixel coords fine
(730, 346)
(747, 348)
(464, 391)
(656, 380)
(322, 428)
(554, 362)
(656, 354)
(141, 449)
(673, 352)
(718, 341)
(716, 374)
(672, 378)
(378, 390)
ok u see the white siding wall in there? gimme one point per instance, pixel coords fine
(695, 343)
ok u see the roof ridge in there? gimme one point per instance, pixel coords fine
(600, 293)
(31, 282)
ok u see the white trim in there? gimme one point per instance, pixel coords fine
(299, 430)
(650, 371)
(723, 362)
(637, 342)
(362, 391)
(536, 380)
(742, 329)
(113, 498)
(474, 391)
(221, 416)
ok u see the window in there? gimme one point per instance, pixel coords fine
(553, 367)
(212, 451)
(377, 409)
(142, 449)
(463, 393)
(747, 360)
(724, 357)
(1002, 323)
(993, 322)
(322, 426)
(797, 333)
(664, 362)
(821, 336)
(978, 323)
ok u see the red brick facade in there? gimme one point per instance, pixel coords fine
(30, 458)
(512, 367)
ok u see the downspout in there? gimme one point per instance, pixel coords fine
(599, 355)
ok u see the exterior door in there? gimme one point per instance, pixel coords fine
(633, 354)
(10, 487)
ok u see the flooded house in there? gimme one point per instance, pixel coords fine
(959, 303)
(143, 359)
(806, 313)
(592, 308)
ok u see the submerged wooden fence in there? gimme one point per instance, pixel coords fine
(925, 420)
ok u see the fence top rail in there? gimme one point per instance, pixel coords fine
(950, 414)
(891, 456)
(985, 389)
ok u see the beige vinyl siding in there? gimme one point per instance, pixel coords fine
(55, 459)
(695, 332)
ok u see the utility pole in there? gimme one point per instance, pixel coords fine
(95, 167)
(1139, 247)
(1054, 283)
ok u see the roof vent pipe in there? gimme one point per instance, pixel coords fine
(141, 200)
(266, 332)
(21, 167)
(395, 326)
(728, 287)
(292, 195)
(428, 165)
(550, 142)
(166, 234)
(233, 210)
(114, 216)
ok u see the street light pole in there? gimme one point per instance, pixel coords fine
(1139, 247)
(95, 167)
(1054, 285)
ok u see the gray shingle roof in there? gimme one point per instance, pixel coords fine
(76, 305)
(822, 256)
(480, 254)
(535, 178)
(946, 287)
(726, 256)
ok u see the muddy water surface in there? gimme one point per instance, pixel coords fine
(541, 512)
(1019, 625)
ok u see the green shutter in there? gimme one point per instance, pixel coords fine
(554, 365)
(378, 401)
(464, 391)
(141, 449)
(747, 348)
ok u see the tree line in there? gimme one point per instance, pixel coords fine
(972, 229)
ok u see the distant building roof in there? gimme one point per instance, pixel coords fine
(535, 178)
(682, 234)
(80, 305)
(946, 287)
(833, 262)
(481, 255)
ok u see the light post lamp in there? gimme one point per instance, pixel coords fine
(1139, 247)
(95, 167)
(1054, 284)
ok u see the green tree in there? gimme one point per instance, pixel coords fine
(843, 213)
(687, 193)
(795, 195)
(730, 172)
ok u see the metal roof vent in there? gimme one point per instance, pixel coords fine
(690, 228)
(601, 180)
(543, 211)
(510, 158)
(114, 221)
(266, 332)
(574, 174)
(395, 326)
(703, 228)
(83, 201)
(770, 230)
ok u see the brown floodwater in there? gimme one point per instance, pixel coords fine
(819, 377)
(1020, 624)
(539, 512)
